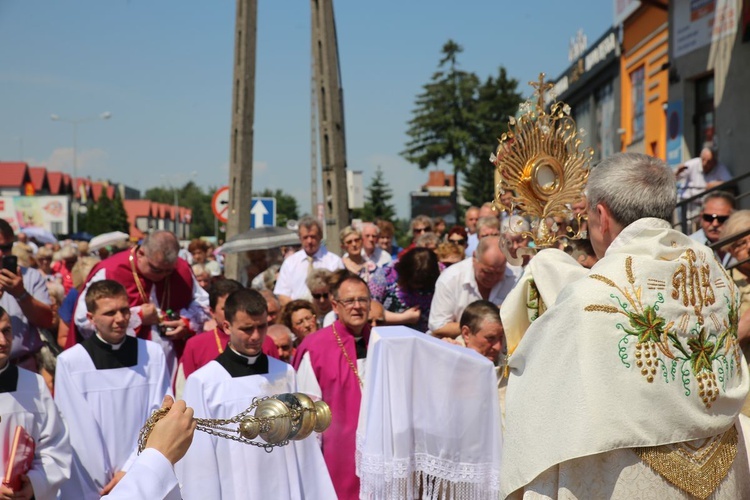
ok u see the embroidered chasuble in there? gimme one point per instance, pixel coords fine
(106, 393)
(324, 372)
(26, 401)
(633, 372)
(219, 468)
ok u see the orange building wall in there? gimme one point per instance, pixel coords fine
(645, 44)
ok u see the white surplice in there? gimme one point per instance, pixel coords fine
(32, 407)
(151, 477)
(105, 410)
(219, 468)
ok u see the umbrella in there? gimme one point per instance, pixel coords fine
(262, 238)
(106, 239)
(40, 234)
(80, 236)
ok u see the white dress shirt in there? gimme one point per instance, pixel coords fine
(293, 272)
(457, 287)
(693, 181)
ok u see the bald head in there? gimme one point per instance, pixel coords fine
(282, 337)
(162, 246)
(489, 262)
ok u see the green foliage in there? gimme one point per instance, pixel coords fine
(105, 216)
(457, 119)
(376, 201)
(497, 100)
(193, 197)
(286, 205)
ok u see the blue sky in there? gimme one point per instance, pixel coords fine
(163, 68)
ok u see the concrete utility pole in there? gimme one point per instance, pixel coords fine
(330, 110)
(243, 111)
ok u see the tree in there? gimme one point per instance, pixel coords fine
(193, 197)
(106, 215)
(286, 205)
(497, 100)
(377, 198)
(442, 127)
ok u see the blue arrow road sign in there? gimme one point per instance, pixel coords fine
(263, 212)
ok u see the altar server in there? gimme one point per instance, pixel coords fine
(223, 469)
(26, 402)
(106, 388)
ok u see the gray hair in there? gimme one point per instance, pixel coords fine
(633, 186)
(426, 239)
(164, 243)
(712, 147)
(307, 222)
(485, 244)
(370, 225)
(318, 278)
(423, 219)
(490, 222)
(723, 195)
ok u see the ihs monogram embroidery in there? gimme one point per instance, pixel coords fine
(689, 348)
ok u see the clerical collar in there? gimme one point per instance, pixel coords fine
(114, 347)
(238, 365)
(106, 356)
(250, 359)
(9, 378)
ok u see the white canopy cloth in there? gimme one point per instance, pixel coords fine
(429, 425)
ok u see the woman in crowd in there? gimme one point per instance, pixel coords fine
(406, 288)
(385, 240)
(448, 254)
(458, 236)
(202, 275)
(355, 262)
(299, 317)
(318, 281)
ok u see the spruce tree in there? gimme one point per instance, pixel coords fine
(377, 204)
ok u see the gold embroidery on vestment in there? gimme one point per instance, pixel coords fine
(695, 471)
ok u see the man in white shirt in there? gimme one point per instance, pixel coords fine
(486, 276)
(471, 217)
(370, 249)
(701, 173)
(290, 284)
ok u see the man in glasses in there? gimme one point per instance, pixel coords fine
(167, 304)
(330, 366)
(23, 294)
(717, 207)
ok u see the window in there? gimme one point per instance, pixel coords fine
(638, 101)
(704, 111)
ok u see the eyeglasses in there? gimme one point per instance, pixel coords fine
(420, 230)
(459, 241)
(713, 217)
(353, 240)
(318, 296)
(6, 248)
(349, 303)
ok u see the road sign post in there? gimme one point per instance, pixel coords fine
(263, 212)
(220, 204)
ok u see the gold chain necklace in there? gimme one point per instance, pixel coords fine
(218, 340)
(346, 355)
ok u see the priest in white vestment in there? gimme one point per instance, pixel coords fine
(26, 402)
(218, 468)
(106, 388)
(627, 382)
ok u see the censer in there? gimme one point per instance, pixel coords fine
(277, 420)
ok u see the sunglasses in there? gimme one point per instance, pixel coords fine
(713, 217)
(318, 296)
(420, 230)
(460, 241)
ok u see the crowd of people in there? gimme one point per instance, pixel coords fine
(110, 337)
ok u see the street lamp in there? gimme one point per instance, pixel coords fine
(104, 116)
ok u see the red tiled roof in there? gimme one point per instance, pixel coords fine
(55, 180)
(111, 192)
(14, 174)
(38, 177)
(96, 190)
